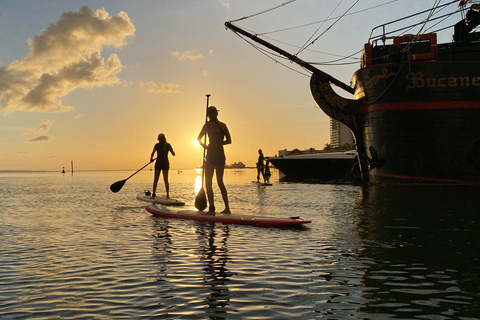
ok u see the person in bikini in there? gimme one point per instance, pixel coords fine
(162, 164)
(218, 136)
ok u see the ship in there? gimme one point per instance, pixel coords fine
(413, 106)
(236, 165)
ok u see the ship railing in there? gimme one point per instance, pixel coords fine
(381, 32)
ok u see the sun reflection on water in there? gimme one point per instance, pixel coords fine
(198, 182)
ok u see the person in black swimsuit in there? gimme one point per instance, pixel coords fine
(218, 136)
(162, 164)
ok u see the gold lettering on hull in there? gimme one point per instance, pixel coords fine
(417, 80)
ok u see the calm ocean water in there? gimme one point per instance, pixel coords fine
(71, 249)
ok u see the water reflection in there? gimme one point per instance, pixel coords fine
(162, 248)
(214, 255)
(423, 244)
(211, 253)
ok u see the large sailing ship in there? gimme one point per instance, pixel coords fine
(415, 106)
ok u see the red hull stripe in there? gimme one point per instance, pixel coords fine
(430, 179)
(428, 105)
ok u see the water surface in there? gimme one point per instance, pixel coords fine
(71, 249)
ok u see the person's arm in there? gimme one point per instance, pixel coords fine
(171, 150)
(201, 135)
(228, 138)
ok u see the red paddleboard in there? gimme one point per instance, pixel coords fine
(259, 221)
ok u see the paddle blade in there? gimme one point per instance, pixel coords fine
(201, 200)
(117, 185)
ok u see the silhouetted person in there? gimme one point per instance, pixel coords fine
(268, 174)
(260, 166)
(161, 148)
(218, 136)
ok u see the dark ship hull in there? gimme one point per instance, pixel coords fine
(415, 114)
(417, 120)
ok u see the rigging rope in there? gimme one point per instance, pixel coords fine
(328, 27)
(430, 14)
(264, 11)
(305, 45)
(325, 20)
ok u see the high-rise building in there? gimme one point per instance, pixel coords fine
(339, 134)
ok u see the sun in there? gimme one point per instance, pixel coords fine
(196, 143)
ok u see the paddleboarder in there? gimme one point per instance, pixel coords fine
(218, 136)
(260, 166)
(268, 174)
(162, 148)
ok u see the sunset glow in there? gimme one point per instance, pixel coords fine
(96, 82)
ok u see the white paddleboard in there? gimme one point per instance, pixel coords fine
(160, 200)
(262, 183)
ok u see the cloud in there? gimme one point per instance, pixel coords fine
(160, 87)
(64, 57)
(225, 4)
(80, 115)
(47, 137)
(43, 128)
(187, 55)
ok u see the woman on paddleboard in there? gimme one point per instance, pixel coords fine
(161, 165)
(218, 136)
(260, 166)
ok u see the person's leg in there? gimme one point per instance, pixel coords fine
(209, 169)
(167, 185)
(220, 169)
(155, 181)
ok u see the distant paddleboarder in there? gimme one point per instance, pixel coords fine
(162, 148)
(260, 166)
(268, 174)
(218, 136)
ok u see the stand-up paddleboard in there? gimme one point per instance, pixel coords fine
(259, 221)
(146, 196)
(262, 183)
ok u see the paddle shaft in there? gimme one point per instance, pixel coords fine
(205, 142)
(140, 169)
(119, 184)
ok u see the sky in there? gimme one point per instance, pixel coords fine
(95, 82)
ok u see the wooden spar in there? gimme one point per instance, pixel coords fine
(71, 162)
(292, 58)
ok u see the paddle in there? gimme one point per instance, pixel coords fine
(119, 184)
(201, 199)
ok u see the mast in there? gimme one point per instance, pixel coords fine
(292, 58)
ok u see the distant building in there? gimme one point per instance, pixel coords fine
(339, 134)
